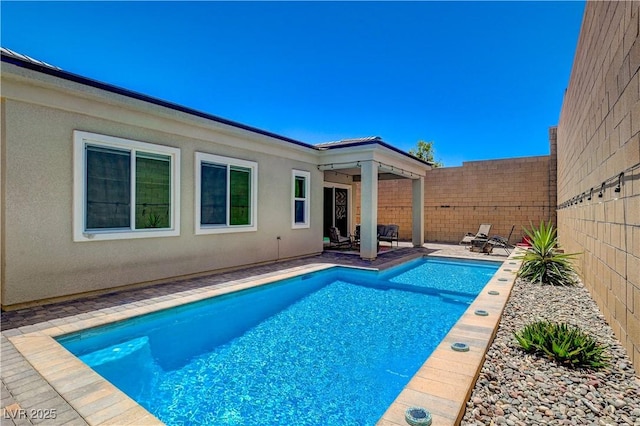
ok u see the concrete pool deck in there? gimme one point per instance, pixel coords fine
(43, 383)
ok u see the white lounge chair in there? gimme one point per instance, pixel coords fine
(483, 232)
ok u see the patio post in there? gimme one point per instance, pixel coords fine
(369, 210)
(417, 208)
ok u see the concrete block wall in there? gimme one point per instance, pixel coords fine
(599, 138)
(504, 193)
(394, 205)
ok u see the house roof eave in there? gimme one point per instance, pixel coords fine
(369, 141)
(26, 62)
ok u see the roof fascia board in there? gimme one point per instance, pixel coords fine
(144, 98)
(25, 86)
(376, 152)
(375, 142)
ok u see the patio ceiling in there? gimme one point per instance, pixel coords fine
(348, 156)
(355, 172)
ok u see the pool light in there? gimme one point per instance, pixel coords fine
(417, 416)
(460, 347)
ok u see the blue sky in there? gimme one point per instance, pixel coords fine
(483, 80)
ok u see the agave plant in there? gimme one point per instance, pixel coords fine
(566, 344)
(154, 221)
(543, 262)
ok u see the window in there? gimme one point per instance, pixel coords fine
(226, 194)
(124, 188)
(300, 200)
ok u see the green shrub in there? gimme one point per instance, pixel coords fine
(543, 262)
(566, 344)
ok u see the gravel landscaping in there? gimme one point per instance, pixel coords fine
(515, 388)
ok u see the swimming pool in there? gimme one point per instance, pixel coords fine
(332, 347)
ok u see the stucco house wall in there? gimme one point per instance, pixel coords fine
(40, 259)
(599, 149)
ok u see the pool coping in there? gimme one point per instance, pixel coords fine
(442, 385)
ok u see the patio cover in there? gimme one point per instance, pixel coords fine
(368, 160)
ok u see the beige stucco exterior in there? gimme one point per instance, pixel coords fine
(43, 259)
(40, 260)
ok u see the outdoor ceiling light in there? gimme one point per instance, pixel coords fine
(590, 195)
(600, 194)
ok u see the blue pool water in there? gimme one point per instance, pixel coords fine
(330, 348)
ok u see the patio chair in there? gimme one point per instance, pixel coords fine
(356, 236)
(390, 234)
(483, 232)
(336, 240)
(498, 241)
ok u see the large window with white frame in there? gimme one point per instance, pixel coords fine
(124, 188)
(300, 209)
(226, 194)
